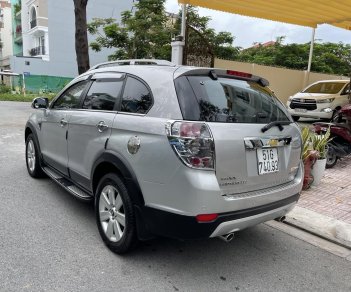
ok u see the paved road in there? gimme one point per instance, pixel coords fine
(49, 242)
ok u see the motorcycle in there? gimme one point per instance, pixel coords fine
(340, 134)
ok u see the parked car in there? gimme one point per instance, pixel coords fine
(320, 100)
(181, 152)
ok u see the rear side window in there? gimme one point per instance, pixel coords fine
(227, 100)
(136, 97)
(103, 94)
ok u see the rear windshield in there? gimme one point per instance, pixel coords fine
(325, 87)
(227, 101)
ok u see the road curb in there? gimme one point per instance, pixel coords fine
(323, 226)
(312, 239)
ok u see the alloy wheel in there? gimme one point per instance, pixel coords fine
(112, 215)
(31, 155)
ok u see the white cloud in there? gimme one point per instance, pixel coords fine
(248, 30)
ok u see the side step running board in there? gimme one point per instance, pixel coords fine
(67, 185)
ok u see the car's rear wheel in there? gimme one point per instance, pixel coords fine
(115, 214)
(295, 118)
(33, 158)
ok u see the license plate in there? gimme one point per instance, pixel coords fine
(301, 110)
(267, 160)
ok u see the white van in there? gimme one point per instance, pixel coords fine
(320, 100)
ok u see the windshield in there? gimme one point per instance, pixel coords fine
(325, 87)
(227, 100)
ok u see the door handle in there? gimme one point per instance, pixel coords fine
(102, 126)
(63, 122)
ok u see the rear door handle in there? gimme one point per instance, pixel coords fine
(63, 122)
(102, 126)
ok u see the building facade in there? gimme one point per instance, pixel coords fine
(6, 44)
(43, 34)
(17, 39)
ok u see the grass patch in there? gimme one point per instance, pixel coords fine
(20, 97)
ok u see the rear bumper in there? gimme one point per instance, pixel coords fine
(183, 227)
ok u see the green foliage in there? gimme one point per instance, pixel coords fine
(306, 142)
(148, 32)
(328, 58)
(144, 34)
(17, 7)
(5, 89)
(220, 44)
(21, 97)
(312, 141)
(319, 143)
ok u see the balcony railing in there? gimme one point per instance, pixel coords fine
(33, 23)
(37, 51)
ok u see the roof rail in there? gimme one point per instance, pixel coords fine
(153, 62)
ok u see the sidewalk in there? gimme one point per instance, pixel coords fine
(326, 209)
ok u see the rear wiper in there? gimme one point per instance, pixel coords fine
(279, 124)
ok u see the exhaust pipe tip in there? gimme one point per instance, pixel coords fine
(227, 237)
(280, 219)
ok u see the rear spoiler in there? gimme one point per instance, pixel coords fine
(215, 73)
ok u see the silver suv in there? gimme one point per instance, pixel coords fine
(182, 152)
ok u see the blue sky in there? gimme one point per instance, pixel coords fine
(248, 30)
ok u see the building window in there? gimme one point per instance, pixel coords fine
(33, 17)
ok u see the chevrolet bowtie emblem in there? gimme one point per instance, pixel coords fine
(273, 142)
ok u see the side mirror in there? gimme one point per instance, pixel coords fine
(40, 102)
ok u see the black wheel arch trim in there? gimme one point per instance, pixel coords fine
(33, 130)
(123, 166)
(35, 135)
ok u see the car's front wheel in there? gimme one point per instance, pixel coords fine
(336, 117)
(32, 158)
(115, 214)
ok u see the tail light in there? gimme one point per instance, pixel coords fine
(193, 143)
(239, 74)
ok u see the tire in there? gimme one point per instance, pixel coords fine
(115, 215)
(295, 118)
(332, 159)
(33, 158)
(336, 117)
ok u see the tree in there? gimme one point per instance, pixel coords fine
(81, 35)
(144, 34)
(328, 58)
(220, 44)
(148, 32)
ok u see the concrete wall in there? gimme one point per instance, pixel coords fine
(36, 66)
(284, 82)
(61, 31)
(42, 8)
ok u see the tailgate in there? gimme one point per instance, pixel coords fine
(249, 160)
